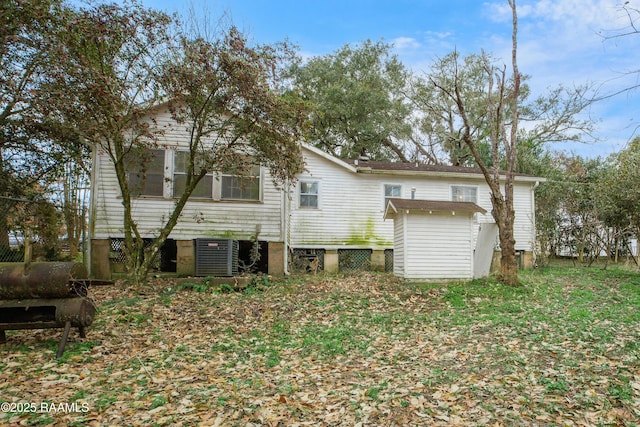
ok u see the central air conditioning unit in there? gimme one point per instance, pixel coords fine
(216, 257)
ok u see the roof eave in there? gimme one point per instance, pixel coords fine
(328, 157)
(441, 174)
(390, 211)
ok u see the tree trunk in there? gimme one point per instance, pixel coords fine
(138, 263)
(504, 218)
(508, 260)
(70, 212)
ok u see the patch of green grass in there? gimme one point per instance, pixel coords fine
(281, 330)
(79, 395)
(555, 385)
(578, 313)
(198, 287)
(225, 288)
(73, 349)
(157, 401)
(331, 340)
(373, 392)
(631, 346)
(620, 391)
(286, 388)
(257, 284)
(126, 302)
(134, 318)
(222, 400)
(22, 348)
(181, 348)
(272, 358)
(456, 296)
(105, 400)
(36, 419)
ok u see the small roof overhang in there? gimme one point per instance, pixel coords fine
(395, 206)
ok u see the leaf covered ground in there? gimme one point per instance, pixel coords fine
(342, 350)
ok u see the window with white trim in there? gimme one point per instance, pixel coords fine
(204, 189)
(145, 173)
(391, 191)
(464, 193)
(241, 187)
(309, 191)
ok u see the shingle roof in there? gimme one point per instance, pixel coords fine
(399, 166)
(375, 165)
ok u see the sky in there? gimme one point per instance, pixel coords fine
(560, 42)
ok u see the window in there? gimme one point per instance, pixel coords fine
(309, 194)
(391, 191)
(145, 172)
(241, 187)
(460, 193)
(204, 189)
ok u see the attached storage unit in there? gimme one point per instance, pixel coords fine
(216, 257)
(433, 240)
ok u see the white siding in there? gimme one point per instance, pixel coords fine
(400, 236)
(351, 206)
(524, 227)
(200, 218)
(349, 213)
(438, 247)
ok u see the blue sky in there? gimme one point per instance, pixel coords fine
(560, 41)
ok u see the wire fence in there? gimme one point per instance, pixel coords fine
(352, 260)
(307, 260)
(30, 233)
(18, 250)
(349, 260)
(388, 260)
(11, 242)
(12, 250)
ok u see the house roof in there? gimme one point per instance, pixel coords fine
(329, 157)
(396, 205)
(410, 168)
(414, 168)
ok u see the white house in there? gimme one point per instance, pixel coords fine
(332, 218)
(338, 206)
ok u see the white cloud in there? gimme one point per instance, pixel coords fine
(401, 43)
(601, 14)
(562, 40)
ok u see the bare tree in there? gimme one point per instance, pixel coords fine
(631, 15)
(501, 102)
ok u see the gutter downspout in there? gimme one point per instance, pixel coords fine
(92, 211)
(285, 225)
(533, 220)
